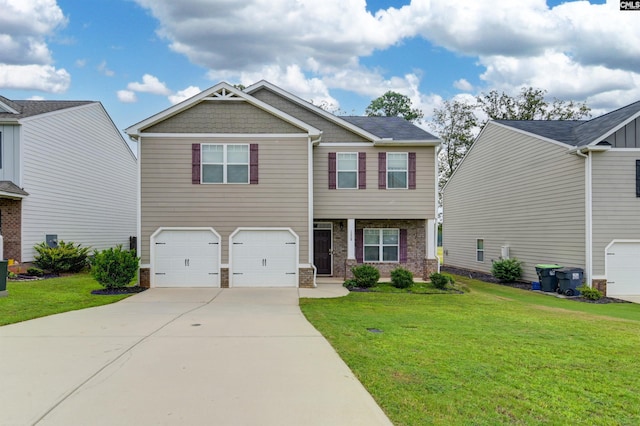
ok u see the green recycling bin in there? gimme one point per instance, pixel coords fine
(3, 277)
(547, 276)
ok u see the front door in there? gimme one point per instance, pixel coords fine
(322, 251)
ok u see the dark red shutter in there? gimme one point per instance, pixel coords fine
(359, 245)
(412, 170)
(253, 163)
(362, 170)
(195, 163)
(382, 170)
(403, 246)
(332, 170)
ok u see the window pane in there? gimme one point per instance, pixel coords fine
(390, 254)
(347, 180)
(211, 173)
(371, 254)
(397, 161)
(238, 154)
(390, 236)
(212, 153)
(237, 174)
(397, 180)
(371, 236)
(480, 244)
(480, 256)
(347, 162)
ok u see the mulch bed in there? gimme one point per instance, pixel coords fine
(482, 276)
(114, 291)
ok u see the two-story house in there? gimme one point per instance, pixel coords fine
(66, 173)
(258, 187)
(565, 192)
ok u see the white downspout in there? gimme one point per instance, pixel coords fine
(588, 217)
(311, 143)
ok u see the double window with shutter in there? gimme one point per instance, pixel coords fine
(396, 170)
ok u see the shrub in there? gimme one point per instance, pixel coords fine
(507, 270)
(441, 281)
(401, 278)
(35, 272)
(350, 284)
(114, 267)
(66, 257)
(365, 276)
(590, 293)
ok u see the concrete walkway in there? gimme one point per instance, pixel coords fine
(181, 357)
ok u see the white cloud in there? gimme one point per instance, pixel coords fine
(150, 84)
(34, 77)
(182, 95)
(81, 63)
(102, 68)
(463, 85)
(35, 98)
(127, 96)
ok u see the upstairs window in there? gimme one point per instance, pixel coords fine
(225, 163)
(347, 170)
(397, 170)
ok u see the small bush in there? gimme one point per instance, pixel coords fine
(507, 270)
(401, 278)
(365, 276)
(35, 272)
(441, 281)
(590, 293)
(67, 257)
(350, 284)
(114, 267)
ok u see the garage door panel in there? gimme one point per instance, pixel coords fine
(623, 269)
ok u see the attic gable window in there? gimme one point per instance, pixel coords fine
(225, 163)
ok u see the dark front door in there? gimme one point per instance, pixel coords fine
(322, 251)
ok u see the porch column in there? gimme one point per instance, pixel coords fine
(351, 239)
(432, 239)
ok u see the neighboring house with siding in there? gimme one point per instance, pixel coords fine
(65, 172)
(261, 188)
(565, 192)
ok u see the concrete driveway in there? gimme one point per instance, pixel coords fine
(179, 357)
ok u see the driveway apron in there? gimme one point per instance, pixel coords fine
(183, 357)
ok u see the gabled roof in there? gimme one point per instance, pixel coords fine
(394, 128)
(578, 133)
(24, 109)
(9, 189)
(222, 92)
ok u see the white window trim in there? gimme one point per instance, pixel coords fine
(338, 170)
(225, 163)
(380, 245)
(406, 169)
(480, 250)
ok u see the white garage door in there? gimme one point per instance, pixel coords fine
(623, 268)
(264, 258)
(186, 258)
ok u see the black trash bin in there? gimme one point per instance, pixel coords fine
(3, 277)
(568, 280)
(547, 276)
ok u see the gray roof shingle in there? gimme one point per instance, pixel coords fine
(395, 128)
(577, 132)
(31, 108)
(11, 188)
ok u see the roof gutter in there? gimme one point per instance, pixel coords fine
(580, 150)
(391, 142)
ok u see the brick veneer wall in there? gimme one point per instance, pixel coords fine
(305, 277)
(224, 277)
(145, 278)
(12, 228)
(600, 285)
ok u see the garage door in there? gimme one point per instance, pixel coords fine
(264, 258)
(623, 268)
(186, 258)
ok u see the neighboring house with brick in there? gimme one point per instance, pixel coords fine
(565, 192)
(260, 188)
(66, 173)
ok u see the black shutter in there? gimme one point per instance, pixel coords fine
(637, 178)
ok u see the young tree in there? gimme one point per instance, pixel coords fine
(394, 104)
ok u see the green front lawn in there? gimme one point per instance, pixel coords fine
(33, 299)
(496, 355)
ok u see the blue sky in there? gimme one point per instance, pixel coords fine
(139, 57)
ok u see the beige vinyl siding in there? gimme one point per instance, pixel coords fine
(223, 117)
(374, 203)
(519, 191)
(616, 209)
(81, 178)
(626, 137)
(331, 132)
(169, 199)
(10, 163)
